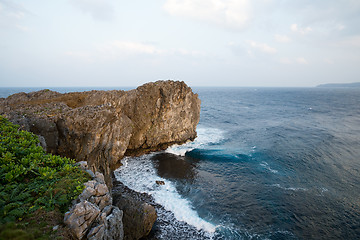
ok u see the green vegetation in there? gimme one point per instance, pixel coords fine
(32, 181)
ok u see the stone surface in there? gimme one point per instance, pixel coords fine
(100, 127)
(93, 216)
(80, 218)
(139, 216)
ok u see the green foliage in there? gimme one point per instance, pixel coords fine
(31, 179)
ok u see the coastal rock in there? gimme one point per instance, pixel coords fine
(160, 182)
(101, 127)
(93, 216)
(139, 216)
(80, 218)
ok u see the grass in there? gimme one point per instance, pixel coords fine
(33, 185)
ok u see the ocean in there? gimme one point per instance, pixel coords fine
(268, 163)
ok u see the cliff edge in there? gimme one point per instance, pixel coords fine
(101, 127)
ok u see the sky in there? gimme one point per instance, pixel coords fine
(248, 43)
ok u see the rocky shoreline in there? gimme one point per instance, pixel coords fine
(101, 127)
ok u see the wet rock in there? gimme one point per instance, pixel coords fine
(160, 182)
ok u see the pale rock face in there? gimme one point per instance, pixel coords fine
(94, 217)
(100, 127)
(81, 217)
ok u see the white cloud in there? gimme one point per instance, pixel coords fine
(127, 47)
(22, 28)
(353, 41)
(286, 61)
(263, 47)
(328, 61)
(303, 31)
(13, 15)
(301, 60)
(282, 38)
(98, 9)
(339, 27)
(123, 49)
(228, 13)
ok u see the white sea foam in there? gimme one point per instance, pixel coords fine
(296, 189)
(266, 166)
(206, 136)
(140, 175)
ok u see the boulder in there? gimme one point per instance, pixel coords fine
(139, 216)
(81, 217)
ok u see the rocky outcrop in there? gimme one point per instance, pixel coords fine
(100, 127)
(139, 216)
(93, 216)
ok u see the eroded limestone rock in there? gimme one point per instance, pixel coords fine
(93, 216)
(100, 127)
(139, 217)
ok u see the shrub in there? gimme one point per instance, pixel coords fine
(31, 179)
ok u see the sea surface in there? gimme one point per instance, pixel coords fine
(268, 163)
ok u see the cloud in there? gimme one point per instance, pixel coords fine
(13, 15)
(98, 9)
(340, 27)
(263, 47)
(286, 60)
(127, 47)
(303, 31)
(282, 38)
(22, 28)
(12, 10)
(302, 60)
(228, 13)
(352, 42)
(328, 61)
(124, 49)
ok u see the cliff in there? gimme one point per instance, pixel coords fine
(101, 127)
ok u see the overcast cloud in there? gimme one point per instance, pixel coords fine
(202, 42)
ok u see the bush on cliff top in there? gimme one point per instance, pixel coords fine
(32, 180)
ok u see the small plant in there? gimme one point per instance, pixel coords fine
(32, 180)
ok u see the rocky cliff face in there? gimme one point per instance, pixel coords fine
(100, 127)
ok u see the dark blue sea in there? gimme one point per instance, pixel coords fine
(268, 163)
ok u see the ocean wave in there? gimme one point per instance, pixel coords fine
(296, 189)
(267, 167)
(139, 174)
(206, 136)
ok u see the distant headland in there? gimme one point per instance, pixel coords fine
(331, 85)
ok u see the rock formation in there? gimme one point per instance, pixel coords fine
(93, 216)
(139, 216)
(100, 127)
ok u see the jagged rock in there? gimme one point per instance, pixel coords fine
(93, 217)
(101, 127)
(139, 217)
(80, 218)
(97, 192)
(114, 227)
